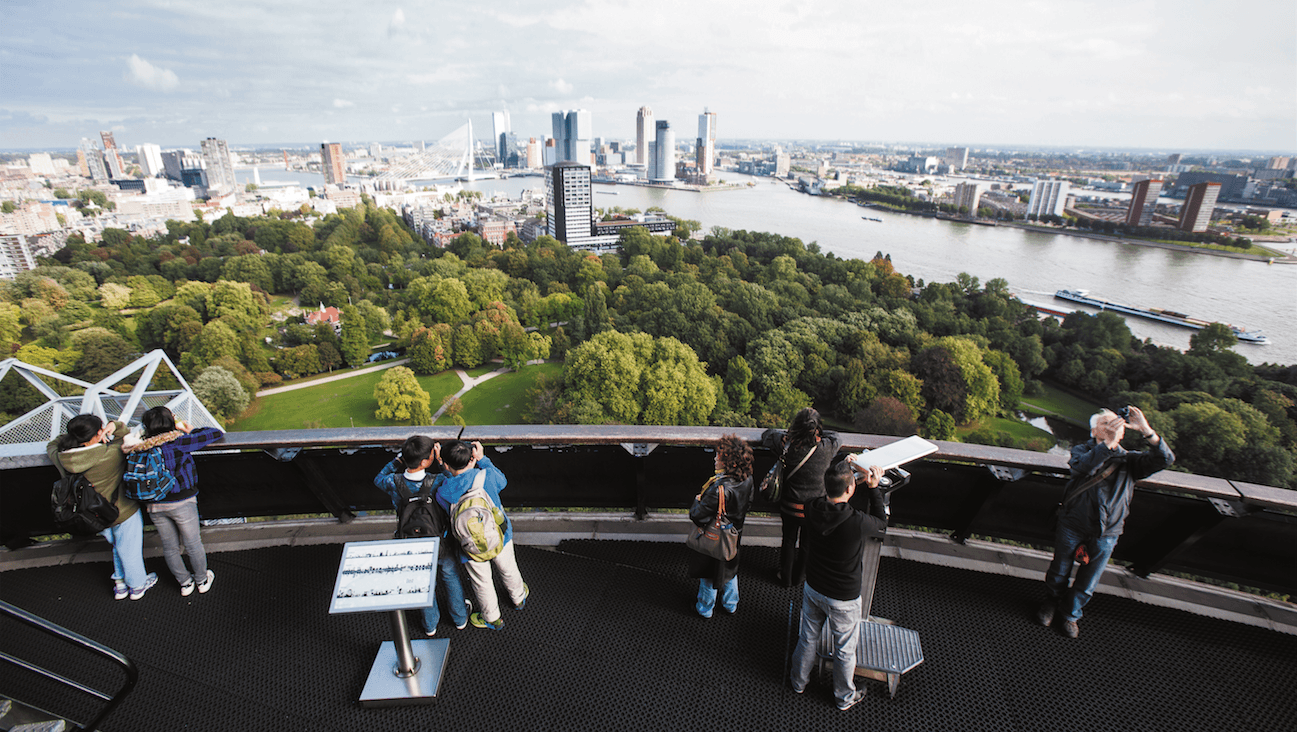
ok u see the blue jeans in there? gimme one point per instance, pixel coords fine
(127, 541)
(1070, 600)
(177, 522)
(707, 596)
(843, 617)
(448, 578)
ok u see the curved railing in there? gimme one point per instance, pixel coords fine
(1209, 527)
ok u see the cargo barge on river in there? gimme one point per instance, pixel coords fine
(1164, 316)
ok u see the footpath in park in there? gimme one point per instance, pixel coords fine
(335, 377)
(468, 381)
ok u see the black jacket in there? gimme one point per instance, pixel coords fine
(1102, 510)
(738, 498)
(808, 482)
(836, 543)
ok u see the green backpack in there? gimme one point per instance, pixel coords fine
(477, 523)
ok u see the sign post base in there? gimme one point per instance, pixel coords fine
(385, 687)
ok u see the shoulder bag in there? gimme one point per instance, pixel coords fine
(719, 539)
(772, 486)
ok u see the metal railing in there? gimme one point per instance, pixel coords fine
(1231, 531)
(76, 639)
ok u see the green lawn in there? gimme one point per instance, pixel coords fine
(336, 404)
(1056, 402)
(1006, 432)
(351, 401)
(500, 400)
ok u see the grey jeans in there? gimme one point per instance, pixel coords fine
(842, 618)
(178, 522)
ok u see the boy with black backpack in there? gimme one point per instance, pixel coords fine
(411, 483)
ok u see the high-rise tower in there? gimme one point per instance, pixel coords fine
(94, 161)
(569, 212)
(1143, 201)
(1199, 202)
(663, 169)
(112, 158)
(705, 157)
(150, 156)
(220, 169)
(573, 134)
(645, 134)
(334, 163)
(1048, 197)
(499, 129)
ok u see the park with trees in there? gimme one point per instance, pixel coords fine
(737, 329)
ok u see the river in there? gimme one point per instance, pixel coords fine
(1245, 293)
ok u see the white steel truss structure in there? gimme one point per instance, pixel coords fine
(28, 434)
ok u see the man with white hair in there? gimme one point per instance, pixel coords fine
(1094, 509)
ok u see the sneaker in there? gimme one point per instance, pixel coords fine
(855, 699)
(526, 591)
(120, 591)
(430, 632)
(797, 690)
(187, 588)
(480, 622)
(1045, 613)
(149, 581)
(1070, 629)
(206, 584)
(468, 610)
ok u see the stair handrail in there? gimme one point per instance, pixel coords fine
(114, 700)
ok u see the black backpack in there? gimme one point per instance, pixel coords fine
(78, 507)
(419, 516)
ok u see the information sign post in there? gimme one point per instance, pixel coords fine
(394, 576)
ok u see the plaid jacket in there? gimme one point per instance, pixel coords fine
(176, 448)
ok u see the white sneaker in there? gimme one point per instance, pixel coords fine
(149, 581)
(468, 610)
(187, 588)
(206, 584)
(120, 591)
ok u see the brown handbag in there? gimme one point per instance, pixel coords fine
(719, 539)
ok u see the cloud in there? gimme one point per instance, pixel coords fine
(560, 86)
(398, 20)
(343, 103)
(142, 73)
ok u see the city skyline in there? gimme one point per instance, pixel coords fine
(1156, 75)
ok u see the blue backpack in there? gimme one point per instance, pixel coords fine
(147, 477)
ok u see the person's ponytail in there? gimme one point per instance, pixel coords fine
(81, 429)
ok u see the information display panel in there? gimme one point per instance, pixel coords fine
(397, 574)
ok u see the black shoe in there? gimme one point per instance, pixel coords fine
(1045, 613)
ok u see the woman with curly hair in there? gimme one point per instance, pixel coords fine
(734, 476)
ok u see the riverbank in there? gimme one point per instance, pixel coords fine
(1278, 257)
(1273, 257)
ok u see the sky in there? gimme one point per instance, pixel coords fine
(1172, 75)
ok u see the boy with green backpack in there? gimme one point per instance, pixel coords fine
(470, 493)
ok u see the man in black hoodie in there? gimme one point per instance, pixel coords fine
(836, 546)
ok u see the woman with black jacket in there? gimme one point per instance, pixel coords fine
(808, 445)
(734, 476)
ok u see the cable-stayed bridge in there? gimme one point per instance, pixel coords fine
(454, 157)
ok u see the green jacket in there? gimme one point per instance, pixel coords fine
(103, 465)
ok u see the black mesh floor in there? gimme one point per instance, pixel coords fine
(609, 640)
